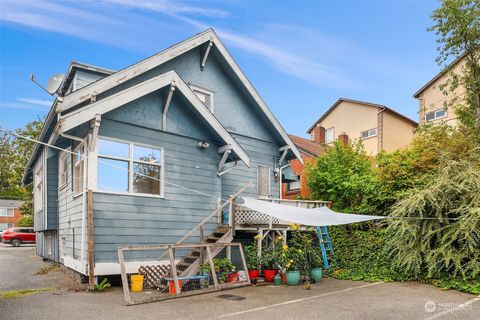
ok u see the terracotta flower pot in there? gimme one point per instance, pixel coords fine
(269, 274)
(253, 274)
(284, 277)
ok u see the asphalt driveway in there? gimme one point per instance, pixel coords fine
(330, 299)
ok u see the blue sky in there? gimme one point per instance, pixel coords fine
(300, 55)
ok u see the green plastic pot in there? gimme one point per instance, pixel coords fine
(316, 274)
(293, 278)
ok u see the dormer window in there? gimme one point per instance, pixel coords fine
(205, 95)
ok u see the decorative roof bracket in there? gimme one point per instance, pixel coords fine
(167, 106)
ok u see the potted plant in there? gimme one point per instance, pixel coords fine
(269, 263)
(292, 274)
(315, 262)
(253, 261)
(226, 270)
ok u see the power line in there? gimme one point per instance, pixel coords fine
(110, 164)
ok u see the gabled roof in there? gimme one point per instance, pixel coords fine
(439, 75)
(340, 100)
(75, 65)
(209, 36)
(306, 146)
(88, 112)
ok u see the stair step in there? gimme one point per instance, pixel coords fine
(190, 258)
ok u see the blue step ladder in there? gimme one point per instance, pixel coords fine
(325, 245)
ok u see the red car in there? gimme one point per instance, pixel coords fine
(17, 236)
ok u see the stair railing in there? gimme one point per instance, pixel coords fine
(201, 225)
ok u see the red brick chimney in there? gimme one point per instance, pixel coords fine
(343, 138)
(318, 134)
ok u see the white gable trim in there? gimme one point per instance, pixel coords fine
(86, 113)
(133, 71)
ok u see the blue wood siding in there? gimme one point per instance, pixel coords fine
(261, 153)
(52, 192)
(136, 220)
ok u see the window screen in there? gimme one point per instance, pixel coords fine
(263, 181)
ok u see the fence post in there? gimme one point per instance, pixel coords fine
(173, 268)
(212, 268)
(202, 240)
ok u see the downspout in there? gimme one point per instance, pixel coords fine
(380, 129)
(281, 180)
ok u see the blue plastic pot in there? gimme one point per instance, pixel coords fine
(316, 274)
(293, 278)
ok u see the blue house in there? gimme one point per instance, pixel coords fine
(158, 145)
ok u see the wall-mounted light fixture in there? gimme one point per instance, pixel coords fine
(203, 144)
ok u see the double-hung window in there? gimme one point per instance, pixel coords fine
(437, 114)
(129, 168)
(329, 135)
(78, 168)
(63, 169)
(7, 212)
(38, 189)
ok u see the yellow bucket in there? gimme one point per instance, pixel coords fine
(137, 282)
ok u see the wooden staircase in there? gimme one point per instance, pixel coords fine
(190, 264)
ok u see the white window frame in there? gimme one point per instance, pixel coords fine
(78, 163)
(435, 114)
(269, 179)
(63, 168)
(206, 92)
(297, 185)
(369, 133)
(38, 188)
(6, 212)
(333, 135)
(131, 161)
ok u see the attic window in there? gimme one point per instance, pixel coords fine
(205, 95)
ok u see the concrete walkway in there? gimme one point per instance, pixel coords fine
(331, 299)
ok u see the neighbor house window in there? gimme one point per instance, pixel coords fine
(129, 167)
(4, 226)
(263, 181)
(38, 189)
(329, 135)
(7, 212)
(205, 95)
(294, 185)
(78, 168)
(368, 133)
(437, 114)
(63, 169)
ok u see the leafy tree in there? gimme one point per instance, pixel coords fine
(26, 221)
(457, 25)
(416, 165)
(14, 155)
(438, 227)
(345, 176)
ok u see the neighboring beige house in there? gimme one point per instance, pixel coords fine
(434, 104)
(379, 127)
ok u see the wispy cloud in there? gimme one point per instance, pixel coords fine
(22, 106)
(169, 7)
(308, 55)
(37, 102)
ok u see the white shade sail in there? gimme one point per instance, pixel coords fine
(322, 216)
